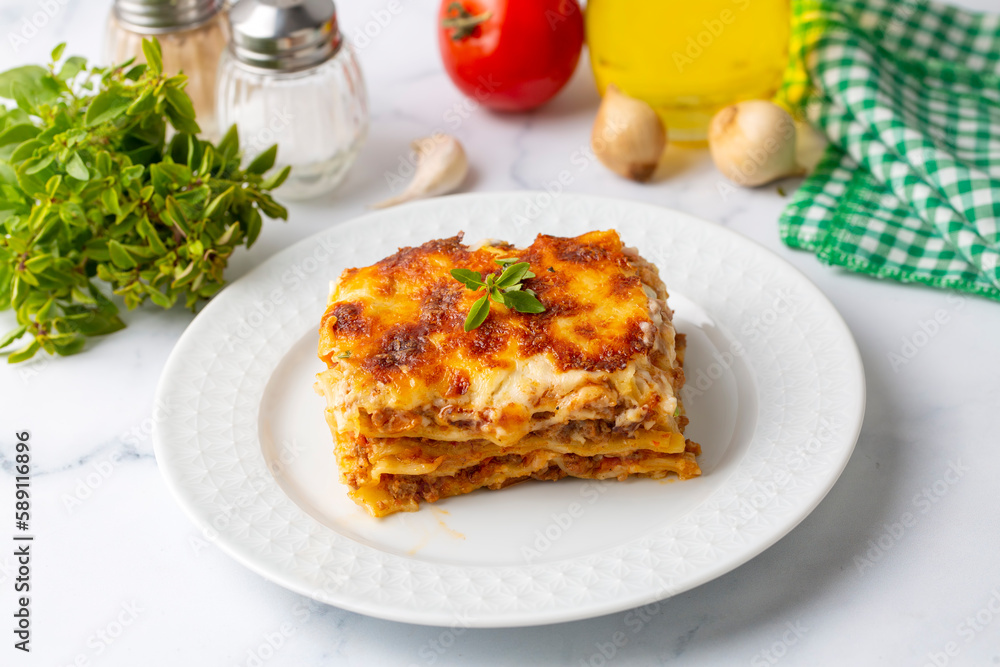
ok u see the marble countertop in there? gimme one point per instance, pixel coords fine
(898, 565)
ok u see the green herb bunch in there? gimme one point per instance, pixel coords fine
(506, 289)
(92, 192)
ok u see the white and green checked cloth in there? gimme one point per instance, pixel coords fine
(909, 95)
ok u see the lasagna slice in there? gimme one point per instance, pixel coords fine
(420, 409)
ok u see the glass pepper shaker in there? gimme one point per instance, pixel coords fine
(192, 36)
(288, 77)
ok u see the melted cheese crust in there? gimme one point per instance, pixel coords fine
(400, 363)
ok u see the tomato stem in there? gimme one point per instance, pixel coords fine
(462, 21)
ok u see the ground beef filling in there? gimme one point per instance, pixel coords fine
(591, 430)
(405, 488)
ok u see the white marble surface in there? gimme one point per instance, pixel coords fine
(126, 553)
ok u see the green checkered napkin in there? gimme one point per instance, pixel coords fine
(909, 95)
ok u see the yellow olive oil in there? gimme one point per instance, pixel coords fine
(688, 59)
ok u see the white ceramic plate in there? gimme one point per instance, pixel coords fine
(775, 395)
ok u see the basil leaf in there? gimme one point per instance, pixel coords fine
(39, 263)
(275, 180)
(120, 256)
(43, 313)
(72, 346)
(158, 297)
(227, 235)
(477, 314)
(132, 173)
(25, 151)
(523, 302)
(16, 134)
(263, 162)
(99, 324)
(136, 71)
(19, 291)
(179, 100)
(183, 277)
(82, 297)
(148, 232)
(77, 169)
(110, 200)
(471, 279)
(512, 274)
(497, 296)
(181, 122)
(271, 208)
(24, 353)
(9, 177)
(220, 203)
(142, 104)
(105, 107)
(230, 144)
(164, 175)
(195, 151)
(37, 164)
(253, 227)
(153, 55)
(12, 336)
(73, 66)
(26, 78)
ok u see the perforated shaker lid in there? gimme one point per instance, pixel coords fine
(284, 35)
(160, 16)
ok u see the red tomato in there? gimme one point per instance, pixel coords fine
(510, 55)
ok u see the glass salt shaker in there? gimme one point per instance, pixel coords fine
(192, 36)
(288, 77)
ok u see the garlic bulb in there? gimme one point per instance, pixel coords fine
(753, 143)
(441, 168)
(628, 135)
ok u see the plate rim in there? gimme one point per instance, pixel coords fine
(540, 616)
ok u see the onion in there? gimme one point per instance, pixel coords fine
(753, 143)
(628, 135)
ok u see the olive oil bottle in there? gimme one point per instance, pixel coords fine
(689, 59)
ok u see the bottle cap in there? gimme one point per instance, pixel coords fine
(159, 16)
(284, 35)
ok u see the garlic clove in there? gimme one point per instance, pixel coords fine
(810, 145)
(441, 168)
(753, 143)
(628, 136)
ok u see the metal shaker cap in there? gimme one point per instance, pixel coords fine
(284, 35)
(160, 16)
